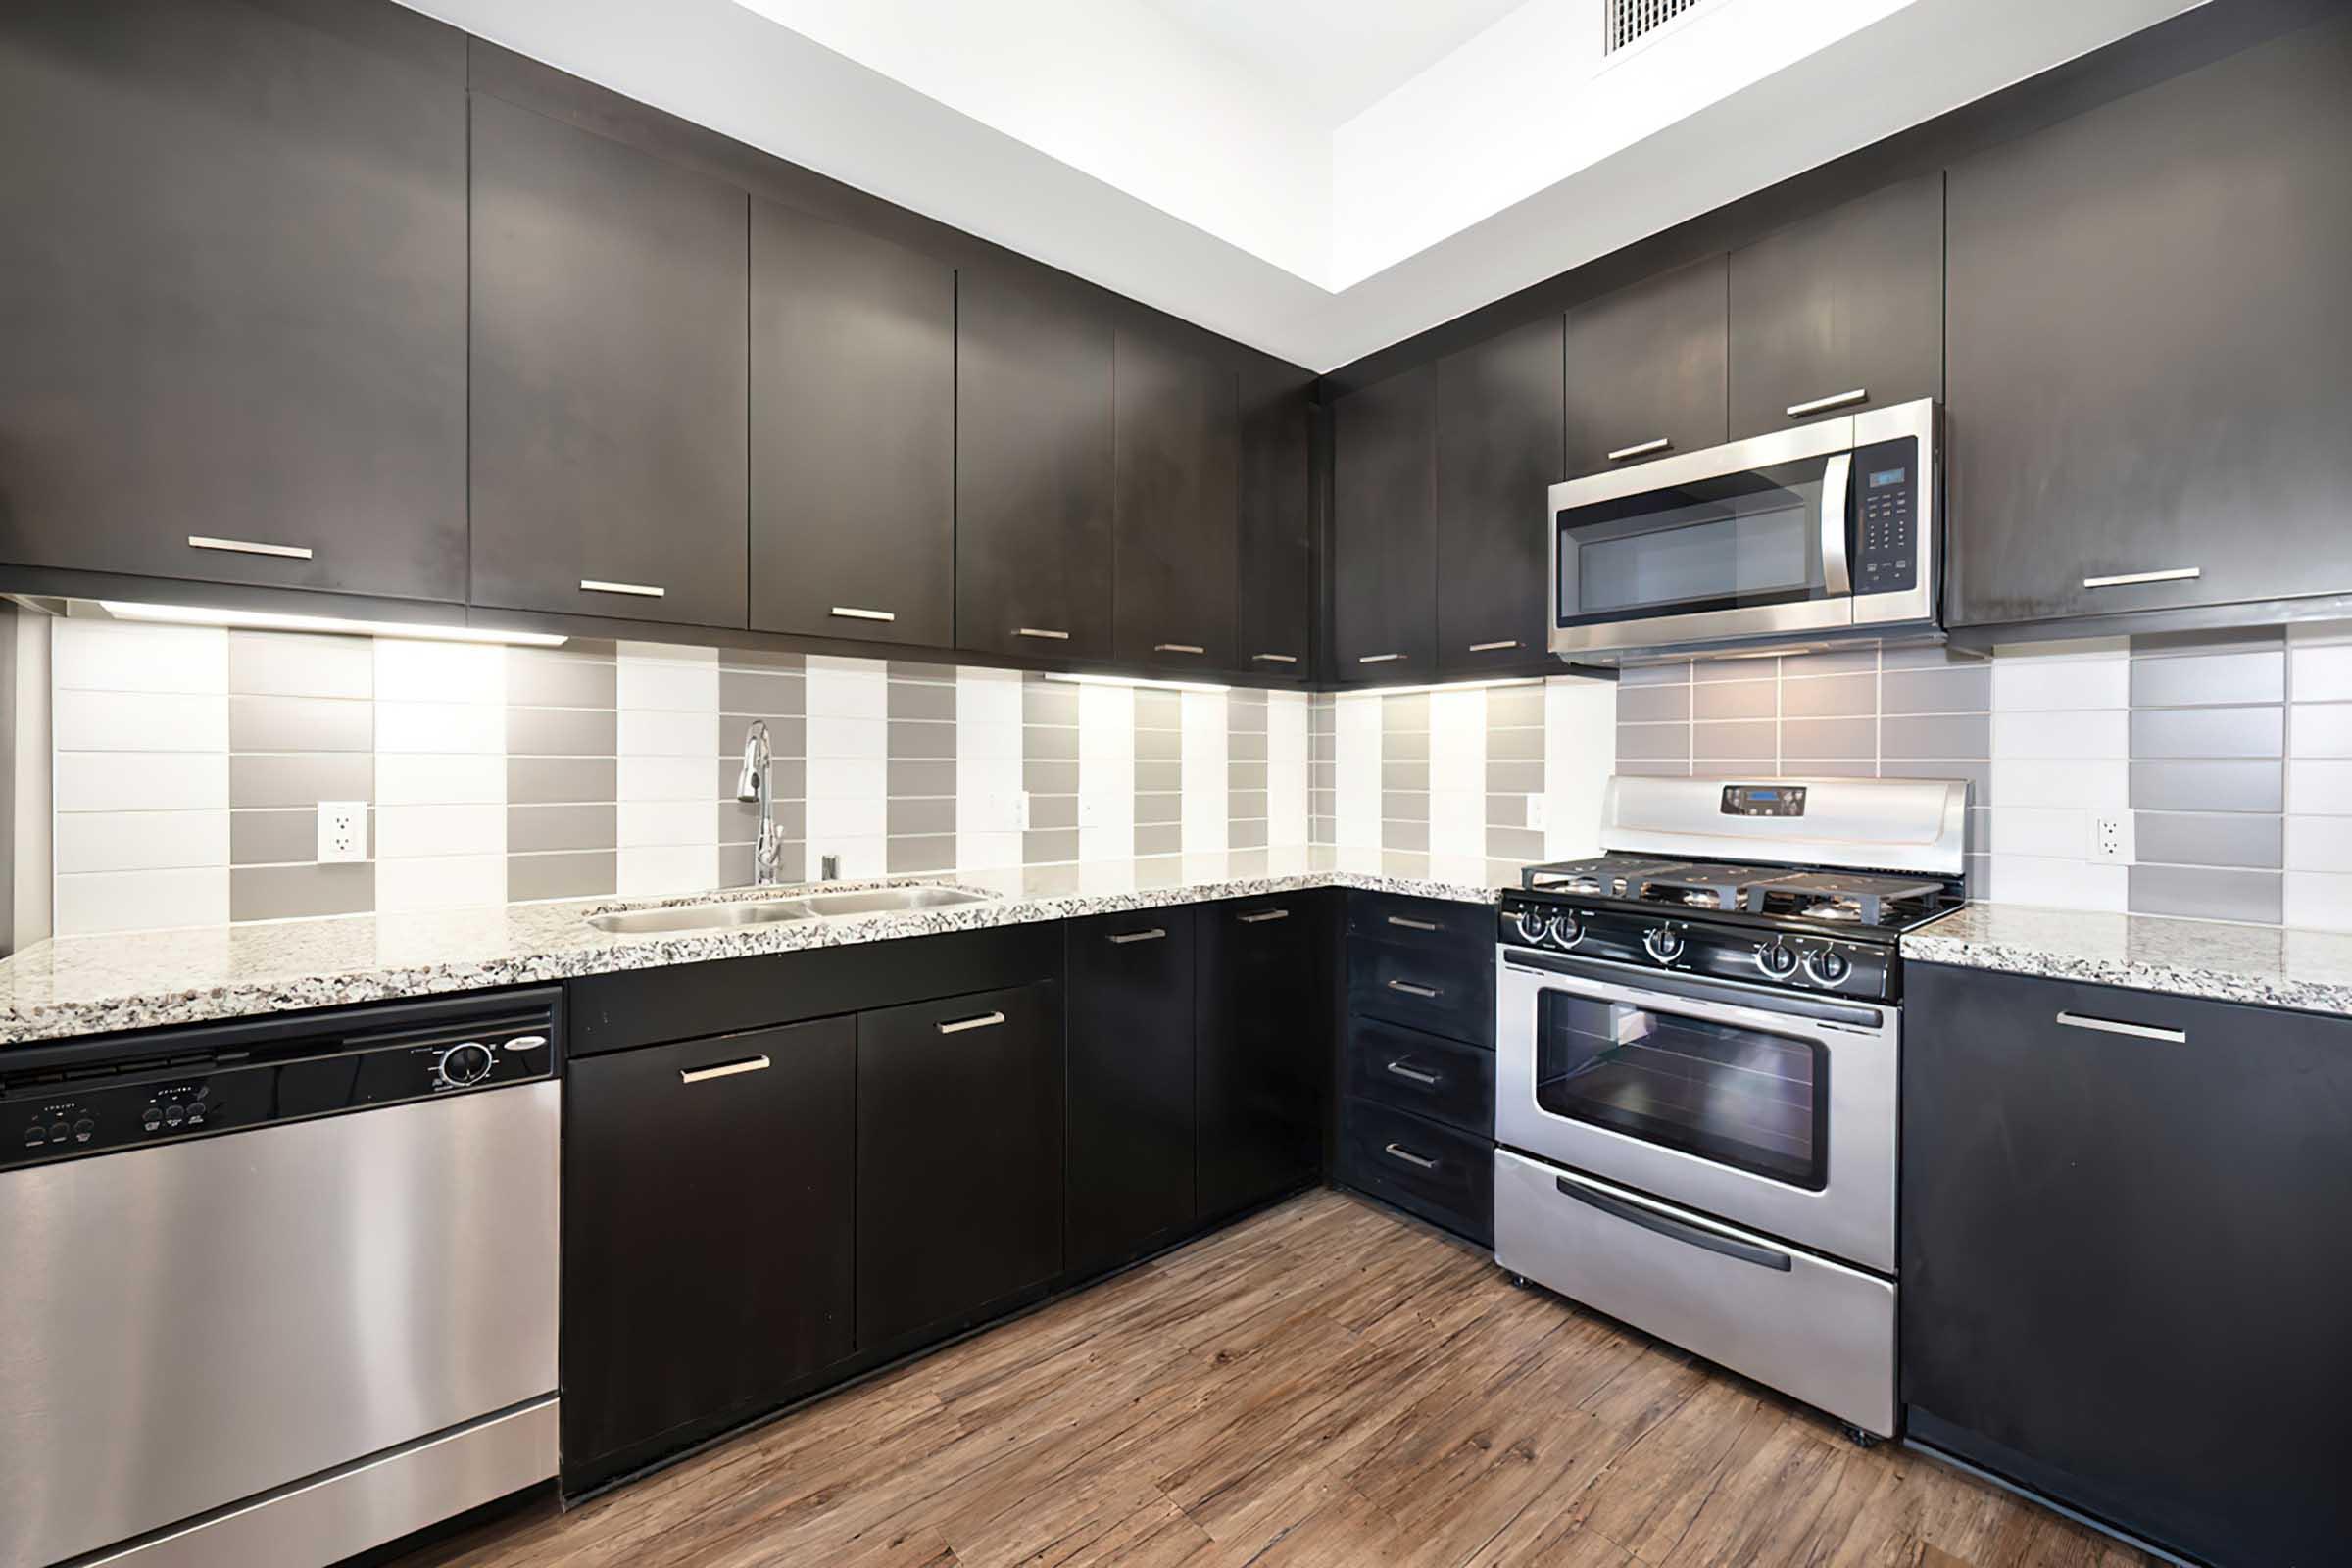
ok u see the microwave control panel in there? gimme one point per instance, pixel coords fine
(1887, 481)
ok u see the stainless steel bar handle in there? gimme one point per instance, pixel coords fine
(1400, 1151)
(1495, 648)
(641, 589)
(1275, 658)
(1413, 990)
(1403, 1070)
(1042, 632)
(1122, 938)
(1262, 916)
(1836, 492)
(987, 1020)
(853, 612)
(1836, 400)
(725, 1069)
(1178, 648)
(2115, 1026)
(1378, 658)
(248, 547)
(1411, 924)
(2125, 579)
(1641, 449)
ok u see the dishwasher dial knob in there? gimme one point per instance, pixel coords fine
(1827, 967)
(1776, 960)
(1566, 929)
(1665, 944)
(1529, 923)
(461, 1066)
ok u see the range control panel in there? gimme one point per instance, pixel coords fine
(1886, 484)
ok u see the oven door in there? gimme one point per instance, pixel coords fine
(1772, 1110)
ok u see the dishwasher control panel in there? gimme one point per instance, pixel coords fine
(94, 1097)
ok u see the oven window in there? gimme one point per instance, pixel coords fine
(1746, 1098)
(1749, 538)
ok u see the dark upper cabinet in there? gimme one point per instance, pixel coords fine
(2149, 333)
(1129, 1181)
(1034, 468)
(234, 307)
(960, 1157)
(853, 432)
(1277, 587)
(1499, 415)
(1385, 530)
(1177, 502)
(1262, 1043)
(1848, 302)
(1646, 370)
(610, 358)
(707, 1214)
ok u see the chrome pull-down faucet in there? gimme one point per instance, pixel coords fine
(756, 784)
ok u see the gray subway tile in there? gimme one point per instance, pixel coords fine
(1406, 745)
(563, 732)
(739, 820)
(920, 738)
(1157, 806)
(1830, 697)
(1056, 847)
(787, 734)
(1829, 737)
(1246, 804)
(2206, 894)
(1049, 742)
(1159, 745)
(300, 780)
(277, 837)
(300, 724)
(1514, 843)
(2196, 837)
(917, 817)
(561, 827)
(930, 853)
(1050, 812)
(1404, 713)
(301, 892)
(2227, 639)
(1838, 661)
(907, 777)
(1162, 777)
(918, 700)
(1506, 811)
(1677, 674)
(1159, 838)
(1248, 834)
(1735, 699)
(2208, 786)
(1930, 655)
(283, 664)
(549, 780)
(1404, 775)
(578, 874)
(1950, 689)
(759, 659)
(1403, 806)
(1245, 746)
(2203, 679)
(1653, 705)
(1515, 708)
(1978, 776)
(2220, 732)
(1050, 775)
(1515, 744)
(736, 868)
(1155, 710)
(1707, 669)
(768, 693)
(787, 778)
(1402, 863)
(917, 669)
(1246, 776)
(1654, 767)
(1751, 739)
(1047, 701)
(1400, 834)
(1821, 767)
(558, 677)
(1653, 742)
(1961, 735)
(1521, 778)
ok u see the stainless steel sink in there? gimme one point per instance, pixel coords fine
(702, 917)
(877, 901)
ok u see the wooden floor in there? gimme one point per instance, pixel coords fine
(1325, 1385)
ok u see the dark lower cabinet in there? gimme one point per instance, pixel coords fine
(1129, 1185)
(2123, 1262)
(1384, 530)
(960, 1159)
(708, 1229)
(1258, 1075)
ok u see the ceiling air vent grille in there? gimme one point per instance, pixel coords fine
(1628, 20)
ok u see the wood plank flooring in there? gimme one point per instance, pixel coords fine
(1324, 1386)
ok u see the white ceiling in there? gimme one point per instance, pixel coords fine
(1315, 178)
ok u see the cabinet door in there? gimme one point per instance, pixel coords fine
(1647, 371)
(1498, 452)
(707, 1230)
(2149, 333)
(1177, 505)
(1033, 468)
(1850, 302)
(235, 300)
(1130, 1178)
(1277, 553)
(959, 1140)
(609, 363)
(2119, 1281)
(1261, 1051)
(853, 434)
(1385, 530)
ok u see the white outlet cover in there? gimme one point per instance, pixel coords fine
(2112, 838)
(1021, 811)
(342, 831)
(1538, 812)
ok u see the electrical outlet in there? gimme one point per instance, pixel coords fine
(2110, 837)
(1021, 809)
(342, 831)
(1538, 812)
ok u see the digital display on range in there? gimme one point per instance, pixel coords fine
(1887, 476)
(1763, 800)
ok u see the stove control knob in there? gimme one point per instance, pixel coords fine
(461, 1066)
(1665, 944)
(1529, 923)
(1827, 967)
(1777, 961)
(1566, 929)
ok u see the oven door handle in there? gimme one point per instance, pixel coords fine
(1673, 1229)
(1668, 994)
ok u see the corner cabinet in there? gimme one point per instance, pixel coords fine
(1646, 370)
(610, 406)
(2149, 329)
(1385, 530)
(1178, 496)
(1129, 1183)
(1499, 407)
(853, 434)
(1261, 1044)
(1034, 468)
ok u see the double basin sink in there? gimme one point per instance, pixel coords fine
(732, 915)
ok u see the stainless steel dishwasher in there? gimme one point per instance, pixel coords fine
(278, 1292)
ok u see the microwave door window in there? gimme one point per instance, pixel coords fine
(1753, 539)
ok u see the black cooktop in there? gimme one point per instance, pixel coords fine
(1882, 902)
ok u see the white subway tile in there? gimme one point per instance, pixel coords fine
(987, 851)
(2320, 673)
(667, 778)
(112, 656)
(139, 722)
(1458, 742)
(2089, 735)
(1579, 753)
(1457, 824)
(669, 685)
(140, 841)
(2090, 785)
(651, 822)
(644, 732)
(409, 831)
(1286, 727)
(648, 871)
(846, 817)
(854, 739)
(419, 780)
(410, 669)
(1204, 811)
(91, 903)
(988, 696)
(2320, 789)
(1286, 804)
(2063, 832)
(1106, 723)
(862, 855)
(141, 781)
(2098, 678)
(1107, 841)
(445, 728)
(439, 882)
(839, 778)
(2319, 844)
(2319, 729)
(2059, 884)
(987, 742)
(847, 688)
(2320, 901)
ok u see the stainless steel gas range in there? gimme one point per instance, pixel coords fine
(1698, 1041)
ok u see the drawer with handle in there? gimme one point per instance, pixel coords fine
(1429, 1076)
(1440, 1173)
(1445, 992)
(1436, 924)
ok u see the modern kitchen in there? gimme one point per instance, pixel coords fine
(1452, 783)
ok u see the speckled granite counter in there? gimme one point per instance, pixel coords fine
(2308, 970)
(152, 979)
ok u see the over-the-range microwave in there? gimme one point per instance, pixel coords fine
(1822, 534)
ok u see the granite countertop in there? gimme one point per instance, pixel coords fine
(152, 979)
(2309, 971)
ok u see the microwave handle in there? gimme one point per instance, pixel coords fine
(1837, 505)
